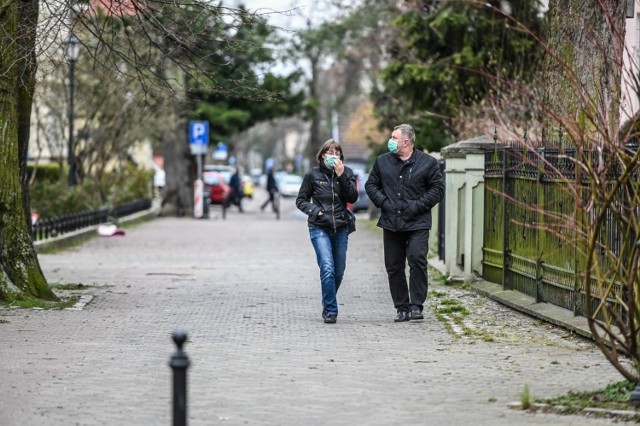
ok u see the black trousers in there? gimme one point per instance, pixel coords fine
(234, 198)
(407, 247)
(272, 200)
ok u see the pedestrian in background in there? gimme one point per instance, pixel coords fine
(323, 196)
(235, 183)
(405, 184)
(159, 180)
(272, 189)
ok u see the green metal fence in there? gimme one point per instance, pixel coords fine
(530, 242)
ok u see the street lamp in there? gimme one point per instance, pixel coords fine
(73, 49)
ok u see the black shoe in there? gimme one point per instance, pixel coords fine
(402, 316)
(324, 315)
(330, 319)
(416, 314)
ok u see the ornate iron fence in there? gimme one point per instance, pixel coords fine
(59, 225)
(530, 222)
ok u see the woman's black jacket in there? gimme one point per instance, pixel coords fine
(323, 191)
(405, 191)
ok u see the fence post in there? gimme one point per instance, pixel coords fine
(506, 165)
(539, 223)
(179, 364)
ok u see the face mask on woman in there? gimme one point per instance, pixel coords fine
(392, 146)
(330, 161)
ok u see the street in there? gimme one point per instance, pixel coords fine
(247, 291)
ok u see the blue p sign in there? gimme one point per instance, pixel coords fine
(198, 136)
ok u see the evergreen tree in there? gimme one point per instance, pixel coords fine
(449, 54)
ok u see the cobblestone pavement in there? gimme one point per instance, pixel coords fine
(247, 291)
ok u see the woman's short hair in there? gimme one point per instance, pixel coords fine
(326, 147)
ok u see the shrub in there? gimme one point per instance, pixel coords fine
(54, 198)
(50, 172)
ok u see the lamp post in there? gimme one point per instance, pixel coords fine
(73, 48)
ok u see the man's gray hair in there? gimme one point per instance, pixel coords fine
(407, 132)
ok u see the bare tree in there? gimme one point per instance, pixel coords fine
(593, 212)
(161, 45)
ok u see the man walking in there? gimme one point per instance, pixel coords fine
(236, 190)
(405, 184)
(272, 189)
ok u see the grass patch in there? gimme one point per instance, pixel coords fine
(451, 312)
(458, 309)
(525, 397)
(68, 286)
(44, 304)
(486, 337)
(437, 276)
(64, 244)
(615, 397)
(447, 324)
(435, 293)
(462, 285)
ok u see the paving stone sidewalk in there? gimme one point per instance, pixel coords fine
(247, 291)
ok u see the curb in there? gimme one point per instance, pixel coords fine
(525, 304)
(81, 303)
(587, 411)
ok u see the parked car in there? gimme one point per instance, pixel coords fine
(224, 170)
(288, 185)
(218, 168)
(256, 174)
(363, 199)
(219, 190)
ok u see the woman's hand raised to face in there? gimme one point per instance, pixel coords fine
(338, 167)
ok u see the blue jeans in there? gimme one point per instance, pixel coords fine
(331, 253)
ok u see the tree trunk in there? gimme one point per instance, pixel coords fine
(315, 140)
(582, 81)
(20, 273)
(180, 171)
(179, 164)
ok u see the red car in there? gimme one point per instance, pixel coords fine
(218, 189)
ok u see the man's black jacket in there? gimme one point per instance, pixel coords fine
(323, 191)
(405, 191)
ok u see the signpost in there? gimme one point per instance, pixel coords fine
(221, 152)
(199, 145)
(198, 199)
(198, 137)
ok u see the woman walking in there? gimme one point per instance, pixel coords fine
(323, 196)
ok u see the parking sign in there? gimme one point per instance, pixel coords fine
(221, 152)
(198, 137)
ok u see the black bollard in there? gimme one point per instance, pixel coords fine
(179, 364)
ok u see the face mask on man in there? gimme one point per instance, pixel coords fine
(330, 161)
(392, 146)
